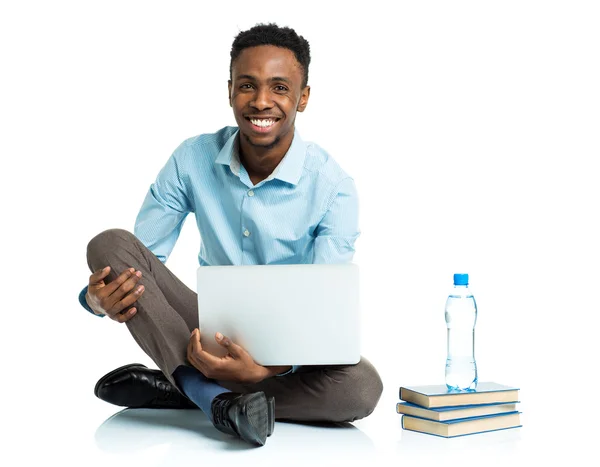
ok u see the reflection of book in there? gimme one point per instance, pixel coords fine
(452, 413)
(439, 396)
(463, 426)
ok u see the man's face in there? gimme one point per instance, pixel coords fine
(265, 92)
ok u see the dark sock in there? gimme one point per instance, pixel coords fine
(197, 387)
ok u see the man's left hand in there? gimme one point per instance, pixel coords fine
(237, 365)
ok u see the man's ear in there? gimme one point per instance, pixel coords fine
(303, 99)
(229, 88)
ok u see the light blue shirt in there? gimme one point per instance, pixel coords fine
(306, 211)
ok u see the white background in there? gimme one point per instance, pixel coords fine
(471, 129)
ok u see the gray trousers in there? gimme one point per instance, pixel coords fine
(168, 312)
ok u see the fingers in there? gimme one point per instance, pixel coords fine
(237, 365)
(234, 349)
(195, 340)
(98, 276)
(192, 345)
(125, 282)
(129, 299)
(202, 360)
(193, 350)
(125, 316)
(122, 292)
(116, 298)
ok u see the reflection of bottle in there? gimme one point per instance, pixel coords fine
(461, 315)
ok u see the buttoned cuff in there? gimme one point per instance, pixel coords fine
(291, 370)
(83, 302)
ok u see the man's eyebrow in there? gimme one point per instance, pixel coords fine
(280, 78)
(250, 77)
(274, 78)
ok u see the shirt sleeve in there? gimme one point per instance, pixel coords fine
(163, 212)
(338, 230)
(291, 370)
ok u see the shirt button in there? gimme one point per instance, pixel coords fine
(246, 233)
(251, 193)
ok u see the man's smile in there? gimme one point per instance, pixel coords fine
(262, 124)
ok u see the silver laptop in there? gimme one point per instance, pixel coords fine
(294, 314)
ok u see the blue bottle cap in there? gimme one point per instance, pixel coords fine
(461, 279)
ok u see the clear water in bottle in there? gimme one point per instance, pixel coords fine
(461, 316)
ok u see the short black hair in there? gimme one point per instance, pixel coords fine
(271, 34)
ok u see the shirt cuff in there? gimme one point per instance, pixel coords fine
(84, 304)
(291, 370)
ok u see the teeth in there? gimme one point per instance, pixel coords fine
(262, 123)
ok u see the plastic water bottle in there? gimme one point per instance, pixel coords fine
(461, 316)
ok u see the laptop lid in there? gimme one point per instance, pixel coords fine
(293, 314)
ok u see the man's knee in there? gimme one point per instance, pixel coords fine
(362, 391)
(108, 238)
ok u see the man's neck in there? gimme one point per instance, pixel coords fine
(260, 162)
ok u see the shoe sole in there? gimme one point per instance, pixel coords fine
(257, 414)
(271, 408)
(102, 380)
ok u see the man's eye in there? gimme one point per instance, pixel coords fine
(280, 88)
(246, 86)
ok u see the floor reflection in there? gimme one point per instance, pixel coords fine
(189, 432)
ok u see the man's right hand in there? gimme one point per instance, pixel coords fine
(114, 299)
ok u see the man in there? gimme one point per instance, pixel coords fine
(261, 195)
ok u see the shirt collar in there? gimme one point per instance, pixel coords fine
(289, 169)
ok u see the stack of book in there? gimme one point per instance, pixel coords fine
(436, 410)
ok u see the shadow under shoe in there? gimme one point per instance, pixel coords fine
(137, 386)
(251, 417)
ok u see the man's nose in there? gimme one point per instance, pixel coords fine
(262, 99)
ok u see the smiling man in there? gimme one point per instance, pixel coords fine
(266, 89)
(261, 195)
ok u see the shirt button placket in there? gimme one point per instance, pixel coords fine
(246, 231)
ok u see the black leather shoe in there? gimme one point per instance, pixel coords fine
(244, 415)
(271, 408)
(137, 386)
